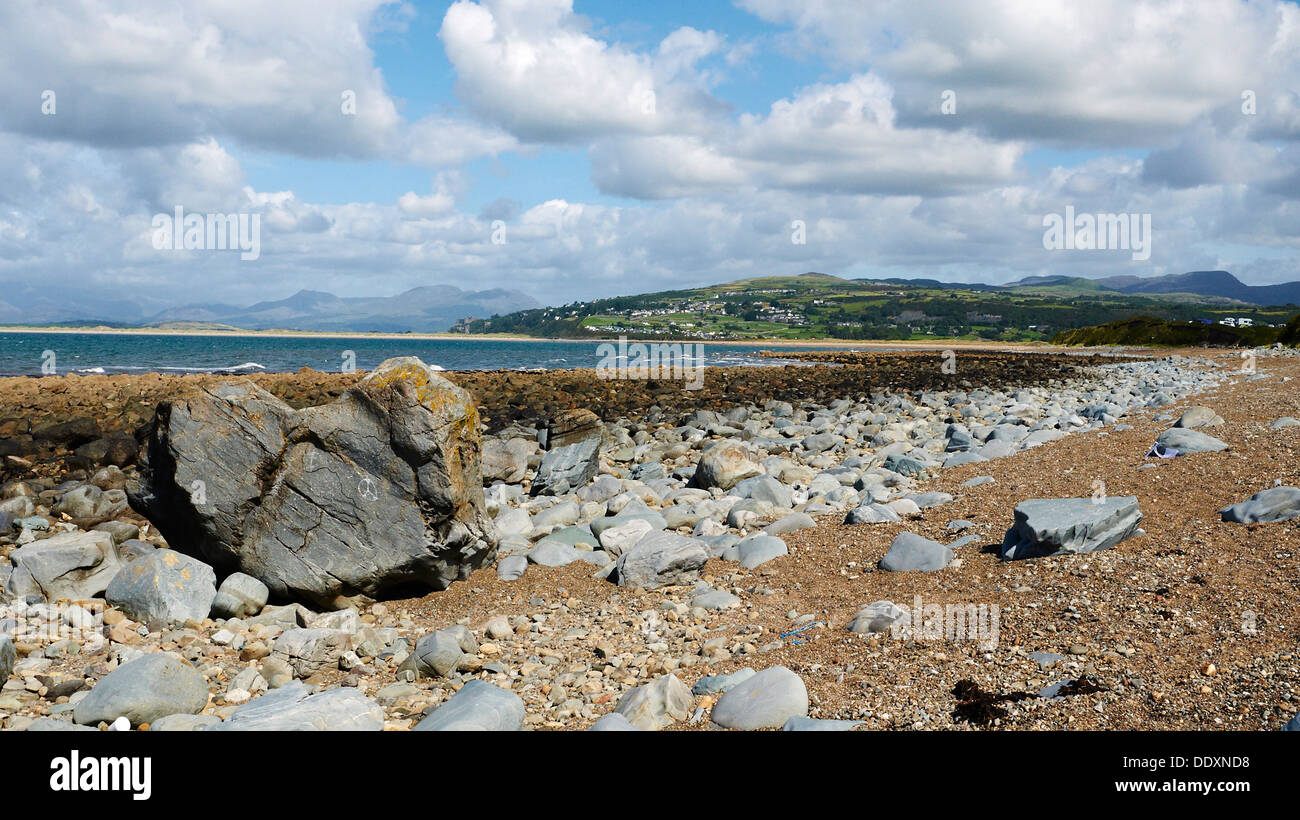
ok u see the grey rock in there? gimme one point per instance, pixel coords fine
(164, 587)
(764, 488)
(613, 722)
(1199, 416)
(715, 599)
(871, 513)
(765, 701)
(904, 465)
(656, 704)
(878, 616)
(1284, 422)
(512, 567)
(567, 468)
(790, 523)
(717, 684)
(927, 500)
(724, 466)
(437, 654)
(183, 723)
(293, 708)
(979, 481)
(8, 657)
(804, 724)
(88, 505)
(958, 459)
(143, 690)
(1274, 504)
(46, 724)
(661, 558)
(72, 565)
(1190, 441)
(552, 553)
(308, 651)
(506, 459)
(758, 550)
(910, 552)
(240, 596)
(477, 707)
(1055, 526)
(377, 490)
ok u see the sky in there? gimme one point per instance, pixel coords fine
(571, 150)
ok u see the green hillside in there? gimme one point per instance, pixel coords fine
(819, 306)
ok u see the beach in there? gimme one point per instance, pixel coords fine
(626, 549)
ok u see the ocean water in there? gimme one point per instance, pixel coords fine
(23, 354)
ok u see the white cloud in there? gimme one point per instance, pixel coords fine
(531, 68)
(1110, 72)
(172, 72)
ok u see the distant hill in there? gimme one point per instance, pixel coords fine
(820, 306)
(422, 309)
(1214, 283)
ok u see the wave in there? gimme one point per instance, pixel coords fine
(246, 367)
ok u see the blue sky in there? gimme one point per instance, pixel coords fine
(635, 146)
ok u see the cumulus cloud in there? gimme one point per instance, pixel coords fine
(1107, 73)
(172, 72)
(530, 67)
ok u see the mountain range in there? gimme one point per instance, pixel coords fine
(1215, 283)
(426, 309)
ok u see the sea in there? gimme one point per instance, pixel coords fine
(35, 354)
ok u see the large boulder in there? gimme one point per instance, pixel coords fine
(164, 587)
(1055, 526)
(567, 468)
(724, 466)
(661, 558)
(1265, 506)
(377, 491)
(293, 708)
(72, 565)
(477, 707)
(143, 690)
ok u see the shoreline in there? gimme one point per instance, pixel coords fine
(882, 344)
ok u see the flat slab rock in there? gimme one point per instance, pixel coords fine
(1187, 441)
(292, 708)
(477, 707)
(1265, 506)
(1056, 526)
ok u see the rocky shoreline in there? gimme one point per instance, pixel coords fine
(610, 555)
